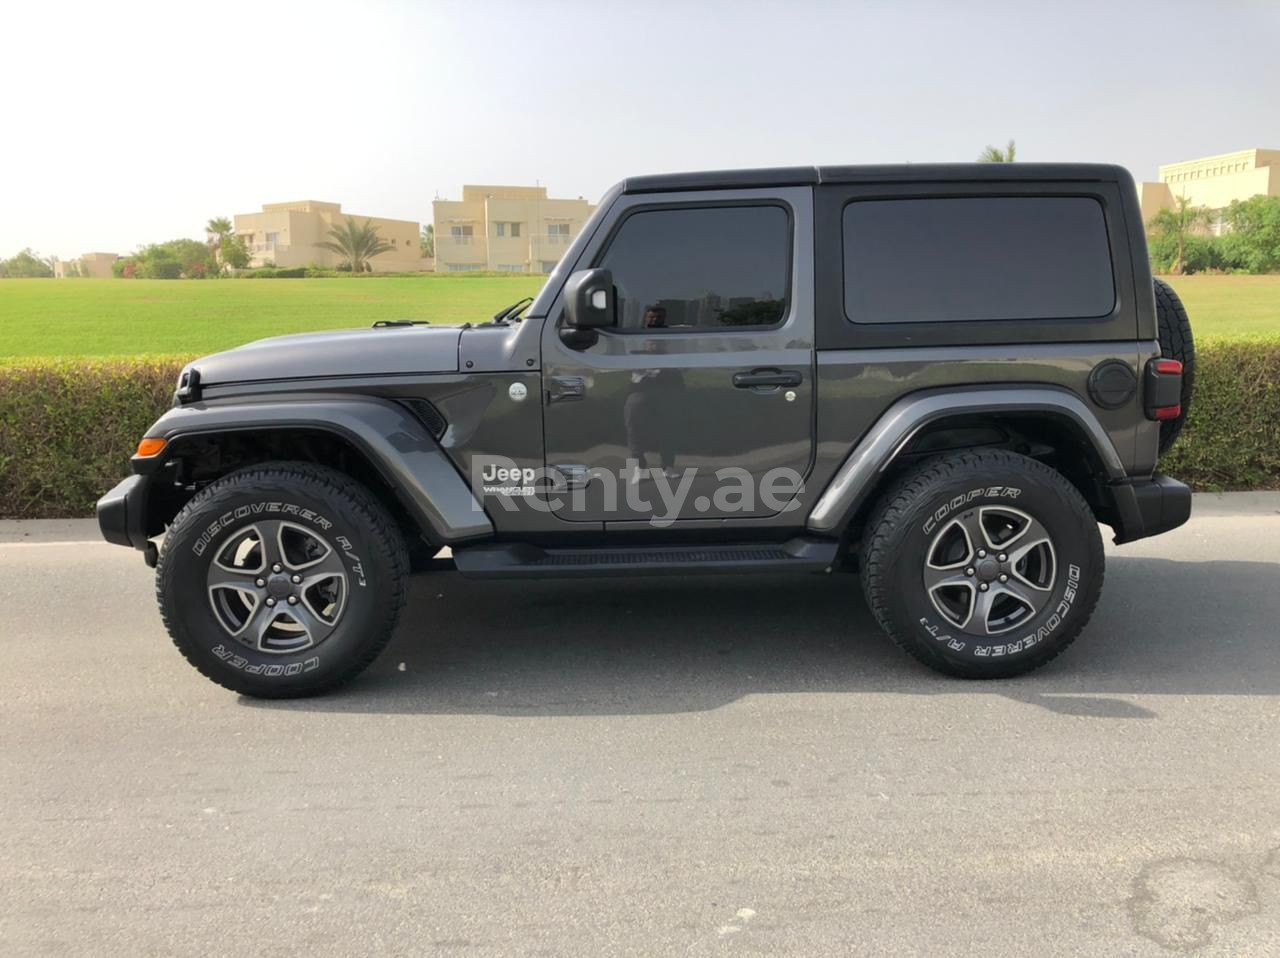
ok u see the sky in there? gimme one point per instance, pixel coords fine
(129, 123)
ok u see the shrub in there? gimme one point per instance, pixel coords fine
(67, 428)
(1232, 437)
(274, 272)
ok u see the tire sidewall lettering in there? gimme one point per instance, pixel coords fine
(225, 649)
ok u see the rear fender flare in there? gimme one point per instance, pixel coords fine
(894, 430)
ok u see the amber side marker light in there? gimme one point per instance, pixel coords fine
(150, 447)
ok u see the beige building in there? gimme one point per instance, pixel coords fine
(94, 265)
(1213, 182)
(286, 234)
(505, 229)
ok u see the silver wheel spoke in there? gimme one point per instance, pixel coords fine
(305, 535)
(1046, 545)
(269, 530)
(980, 617)
(1020, 593)
(220, 578)
(935, 578)
(328, 566)
(971, 522)
(261, 623)
(317, 628)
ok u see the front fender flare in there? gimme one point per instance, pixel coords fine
(882, 444)
(395, 443)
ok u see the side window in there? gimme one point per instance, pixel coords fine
(701, 268)
(976, 258)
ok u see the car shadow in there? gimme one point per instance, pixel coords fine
(670, 645)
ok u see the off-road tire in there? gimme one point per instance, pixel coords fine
(366, 545)
(1176, 342)
(906, 523)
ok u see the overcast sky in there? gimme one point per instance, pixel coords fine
(126, 123)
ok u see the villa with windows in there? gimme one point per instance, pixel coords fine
(1213, 182)
(505, 229)
(286, 234)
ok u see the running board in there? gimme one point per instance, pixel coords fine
(516, 560)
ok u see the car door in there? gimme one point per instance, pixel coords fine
(699, 403)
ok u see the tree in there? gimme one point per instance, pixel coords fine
(358, 244)
(176, 259)
(1172, 227)
(1252, 242)
(233, 252)
(427, 241)
(218, 227)
(26, 265)
(216, 232)
(993, 154)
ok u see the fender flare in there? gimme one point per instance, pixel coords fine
(396, 444)
(899, 424)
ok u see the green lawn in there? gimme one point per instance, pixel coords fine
(73, 318)
(1231, 307)
(119, 317)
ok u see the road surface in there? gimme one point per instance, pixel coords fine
(650, 767)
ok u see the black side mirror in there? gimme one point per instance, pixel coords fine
(589, 300)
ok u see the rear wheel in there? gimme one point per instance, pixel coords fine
(1176, 342)
(282, 580)
(982, 564)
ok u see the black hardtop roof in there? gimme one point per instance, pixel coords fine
(894, 173)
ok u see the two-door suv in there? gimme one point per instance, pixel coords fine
(939, 378)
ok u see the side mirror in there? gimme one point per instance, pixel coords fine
(589, 300)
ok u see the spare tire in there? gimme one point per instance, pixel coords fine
(1177, 343)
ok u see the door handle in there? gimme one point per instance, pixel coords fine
(767, 377)
(566, 388)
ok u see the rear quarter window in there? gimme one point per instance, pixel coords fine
(969, 259)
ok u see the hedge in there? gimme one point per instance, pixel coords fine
(67, 428)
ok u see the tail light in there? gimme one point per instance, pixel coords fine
(1163, 390)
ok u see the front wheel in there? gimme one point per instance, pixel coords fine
(982, 564)
(282, 580)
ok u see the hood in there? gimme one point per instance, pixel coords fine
(347, 352)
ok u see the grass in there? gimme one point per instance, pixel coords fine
(1231, 307)
(115, 317)
(104, 318)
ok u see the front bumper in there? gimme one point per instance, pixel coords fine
(122, 514)
(1148, 507)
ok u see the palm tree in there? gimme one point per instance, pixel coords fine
(1177, 222)
(993, 154)
(358, 244)
(216, 231)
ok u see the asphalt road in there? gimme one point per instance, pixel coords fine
(650, 767)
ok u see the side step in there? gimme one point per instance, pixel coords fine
(516, 560)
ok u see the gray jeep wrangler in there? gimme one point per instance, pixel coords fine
(939, 378)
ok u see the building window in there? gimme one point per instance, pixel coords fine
(500, 229)
(511, 267)
(273, 238)
(515, 230)
(462, 235)
(465, 267)
(558, 229)
(549, 264)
